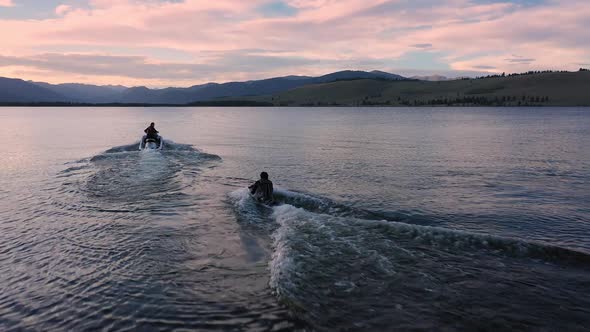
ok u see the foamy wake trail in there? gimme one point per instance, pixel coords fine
(124, 179)
(249, 212)
(340, 271)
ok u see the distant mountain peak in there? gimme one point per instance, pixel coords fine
(88, 93)
(139, 88)
(17, 90)
(359, 74)
(380, 72)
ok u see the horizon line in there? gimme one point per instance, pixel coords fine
(294, 75)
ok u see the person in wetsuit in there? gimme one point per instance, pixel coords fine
(151, 132)
(262, 189)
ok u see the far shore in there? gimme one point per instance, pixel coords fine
(249, 104)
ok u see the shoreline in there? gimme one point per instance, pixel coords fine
(84, 105)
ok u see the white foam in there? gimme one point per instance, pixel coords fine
(304, 239)
(308, 239)
(249, 211)
(282, 263)
(240, 197)
(151, 163)
(297, 196)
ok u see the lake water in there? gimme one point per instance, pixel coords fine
(390, 219)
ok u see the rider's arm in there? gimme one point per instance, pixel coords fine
(253, 188)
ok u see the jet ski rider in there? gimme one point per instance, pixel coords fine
(262, 190)
(152, 133)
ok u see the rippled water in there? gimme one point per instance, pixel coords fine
(389, 219)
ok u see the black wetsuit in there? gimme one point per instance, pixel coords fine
(262, 190)
(151, 132)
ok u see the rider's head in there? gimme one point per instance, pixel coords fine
(152, 124)
(264, 176)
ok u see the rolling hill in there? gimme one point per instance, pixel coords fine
(550, 89)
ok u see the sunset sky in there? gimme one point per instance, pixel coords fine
(181, 43)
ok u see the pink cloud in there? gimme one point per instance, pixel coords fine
(6, 3)
(323, 35)
(62, 9)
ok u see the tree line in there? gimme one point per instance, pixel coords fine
(530, 72)
(460, 101)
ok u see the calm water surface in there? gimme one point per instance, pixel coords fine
(390, 219)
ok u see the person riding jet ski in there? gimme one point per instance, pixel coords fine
(151, 134)
(262, 190)
(151, 131)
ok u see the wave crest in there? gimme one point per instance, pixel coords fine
(337, 270)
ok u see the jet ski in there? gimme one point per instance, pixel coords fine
(266, 203)
(151, 143)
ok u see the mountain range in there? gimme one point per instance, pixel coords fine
(20, 91)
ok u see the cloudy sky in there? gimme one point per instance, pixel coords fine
(181, 43)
